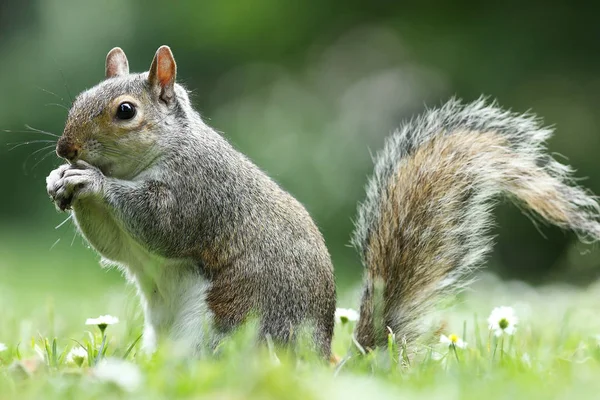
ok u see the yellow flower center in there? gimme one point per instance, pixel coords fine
(453, 338)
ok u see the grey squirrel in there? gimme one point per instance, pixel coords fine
(209, 239)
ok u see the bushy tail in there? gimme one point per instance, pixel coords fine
(424, 226)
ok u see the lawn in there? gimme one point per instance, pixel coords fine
(46, 296)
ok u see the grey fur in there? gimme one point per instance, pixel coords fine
(209, 239)
(439, 233)
(189, 195)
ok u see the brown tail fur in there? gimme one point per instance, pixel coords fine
(424, 226)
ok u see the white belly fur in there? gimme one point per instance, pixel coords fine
(172, 293)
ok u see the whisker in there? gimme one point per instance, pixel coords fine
(15, 145)
(42, 159)
(13, 131)
(40, 131)
(116, 152)
(49, 92)
(35, 152)
(167, 115)
(141, 162)
(57, 105)
(125, 156)
(55, 243)
(42, 149)
(64, 80)
(64, 222)
(122, 155)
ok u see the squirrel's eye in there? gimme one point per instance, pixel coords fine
(126, 110)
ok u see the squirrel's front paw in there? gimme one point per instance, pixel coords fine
(67, 183)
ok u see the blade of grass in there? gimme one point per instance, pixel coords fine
(48, 351)
(130, 348)
(90, 351)
(54, 353)
(100, 350)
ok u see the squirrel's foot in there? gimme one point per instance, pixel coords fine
(71, 181)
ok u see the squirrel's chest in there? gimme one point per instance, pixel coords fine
(115, 244)
(102, 231)
(118, 247)
(170, 289)
(173, 296)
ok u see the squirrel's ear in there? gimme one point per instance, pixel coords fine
(116, 63)
(162, 74)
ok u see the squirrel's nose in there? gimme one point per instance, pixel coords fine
(68, 151)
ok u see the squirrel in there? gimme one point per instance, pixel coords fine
(210, 240)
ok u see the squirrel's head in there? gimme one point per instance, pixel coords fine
(116, 124)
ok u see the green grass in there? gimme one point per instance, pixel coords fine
(45, 299)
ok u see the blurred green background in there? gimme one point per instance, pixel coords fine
(308, 90)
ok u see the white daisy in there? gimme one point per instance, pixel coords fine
(503, 320)
(102, 321)
(453, 341)
(122, 373)
(343, 315)
(3, 347)
(78, 355)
